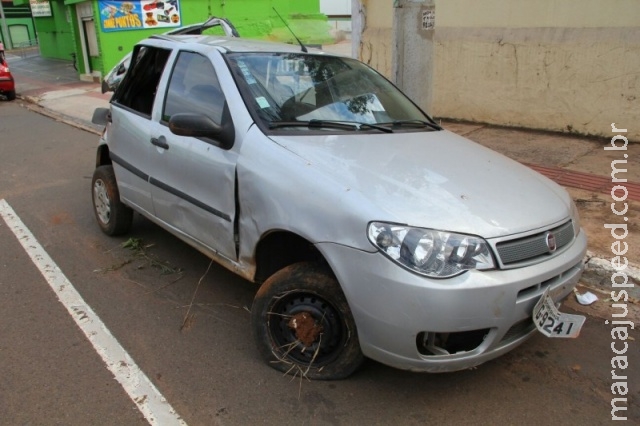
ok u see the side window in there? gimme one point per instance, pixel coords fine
(138, 89)
(194, 87)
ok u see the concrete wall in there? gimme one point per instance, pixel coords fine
(562, 65)
(375, 43)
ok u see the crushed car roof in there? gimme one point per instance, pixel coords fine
(235, 44)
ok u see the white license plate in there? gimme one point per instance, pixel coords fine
(553, 323)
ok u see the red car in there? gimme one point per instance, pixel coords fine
(7, 84)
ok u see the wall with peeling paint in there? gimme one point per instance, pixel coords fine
(570, 65)
(376, 41)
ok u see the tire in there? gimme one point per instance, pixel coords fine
(302, 324)
(114, 218)
(11, 95)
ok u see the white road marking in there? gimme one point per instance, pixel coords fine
(144, 394)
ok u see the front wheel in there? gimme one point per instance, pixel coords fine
(113, 217)
(302, 324)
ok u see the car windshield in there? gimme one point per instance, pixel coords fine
(309, 91)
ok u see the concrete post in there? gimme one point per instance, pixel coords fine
(414, 50)
(358, 18)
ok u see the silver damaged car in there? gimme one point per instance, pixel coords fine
(370, 230)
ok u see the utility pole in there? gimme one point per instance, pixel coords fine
(5, 30)
(414, 49)
(358, 19)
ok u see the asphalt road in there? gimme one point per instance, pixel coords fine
(200, 355)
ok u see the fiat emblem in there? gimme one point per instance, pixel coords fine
(551, 242)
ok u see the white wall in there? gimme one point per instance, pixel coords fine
(335, 7)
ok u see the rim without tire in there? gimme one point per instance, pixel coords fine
(303, 325)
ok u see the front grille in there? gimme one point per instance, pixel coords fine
(533, 246)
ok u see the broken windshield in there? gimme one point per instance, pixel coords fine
(286, 88)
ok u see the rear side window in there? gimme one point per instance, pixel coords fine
(194, 88)
(138, 89)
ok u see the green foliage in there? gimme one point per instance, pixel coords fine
(136, 245)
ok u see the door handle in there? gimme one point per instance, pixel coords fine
(160, 142)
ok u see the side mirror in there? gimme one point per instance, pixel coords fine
(101, 116)
(200, 126)
(111, 83)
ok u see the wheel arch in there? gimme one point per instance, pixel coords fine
(102, 155)
(279, 249)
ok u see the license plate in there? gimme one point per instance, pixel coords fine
(553, 323)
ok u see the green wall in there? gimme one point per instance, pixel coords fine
(23, 22)
(54, 33)
(17, 15)
(252, 19)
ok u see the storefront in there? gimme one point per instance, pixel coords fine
(99, 32)
(17, 29)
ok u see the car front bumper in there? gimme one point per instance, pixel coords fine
(395, 309)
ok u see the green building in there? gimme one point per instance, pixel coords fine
(20, 28)
(99, 32)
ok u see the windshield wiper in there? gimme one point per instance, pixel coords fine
(316, 124)
(375, 126)
(414, 123)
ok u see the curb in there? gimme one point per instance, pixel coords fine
(598, 272)
(31, 103)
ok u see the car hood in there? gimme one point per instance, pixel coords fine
(434, 179)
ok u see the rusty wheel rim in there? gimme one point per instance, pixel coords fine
(306, 328)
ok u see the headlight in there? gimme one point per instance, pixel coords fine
(429, 252)
(575, 219)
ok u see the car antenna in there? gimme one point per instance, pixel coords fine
(304, 48)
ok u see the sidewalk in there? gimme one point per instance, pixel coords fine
(55, 87)
(580, 164)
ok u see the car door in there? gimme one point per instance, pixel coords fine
(129, 135)
(193, 179)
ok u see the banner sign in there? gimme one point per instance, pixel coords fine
(118, 15)
(40, 8)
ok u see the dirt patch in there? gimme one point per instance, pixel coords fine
(602, 307)
(307, 331)
(61, 218)
(595, 212)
